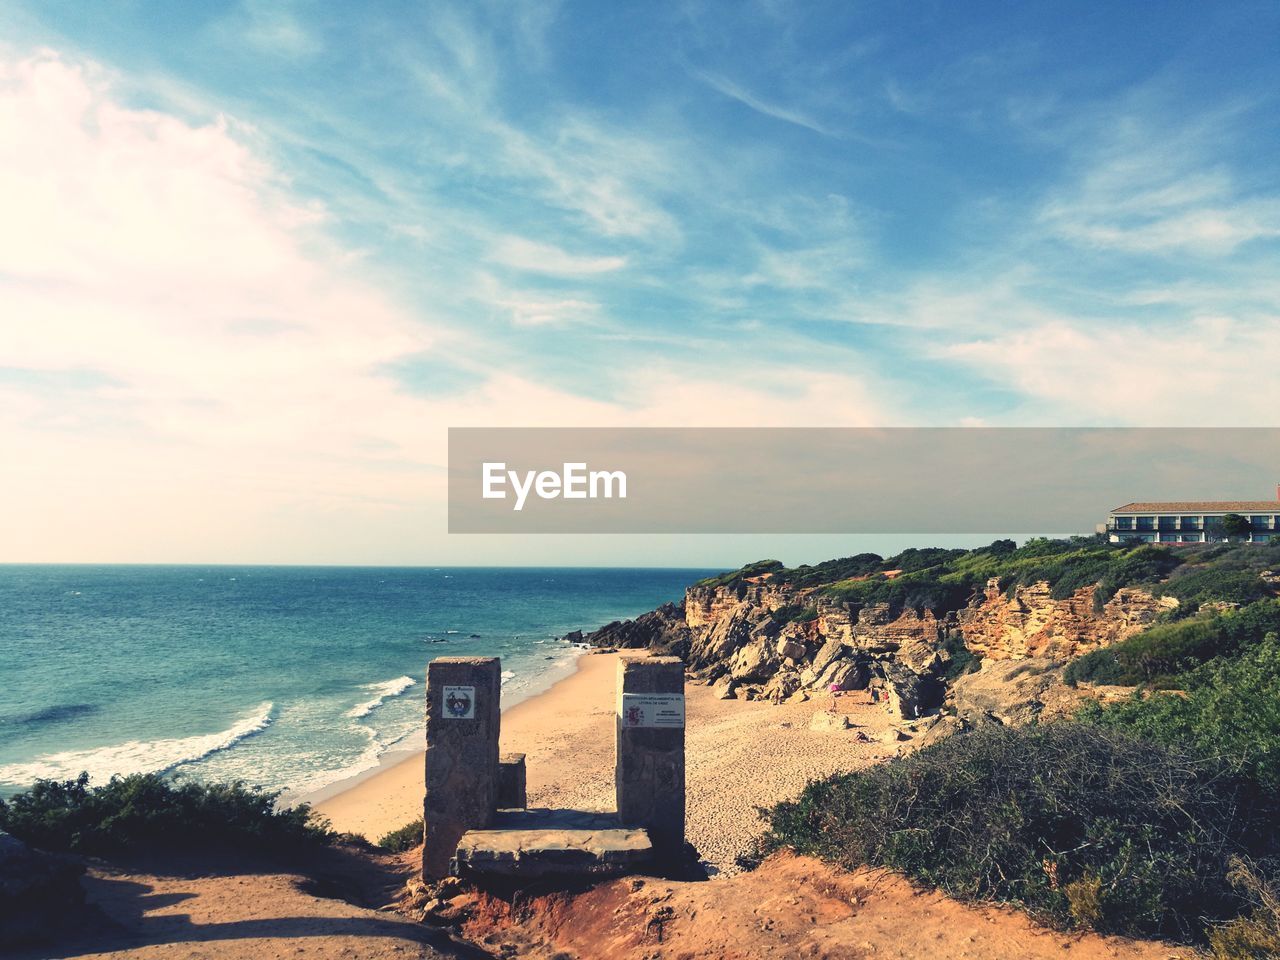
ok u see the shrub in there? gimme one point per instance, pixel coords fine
(757, 569)
(794, 613)
(1080, 825)
(405, 838)
(963, 660)
(830, 571)
(1229, 582)
(1231, 710)
(1166, 651)
(148, 813)
(1257, 936)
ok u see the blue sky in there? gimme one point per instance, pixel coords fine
(259, 256)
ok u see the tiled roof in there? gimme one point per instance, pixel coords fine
(1202, 506)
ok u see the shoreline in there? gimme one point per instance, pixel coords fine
(398, 753)
(740, 755)
(387, 796)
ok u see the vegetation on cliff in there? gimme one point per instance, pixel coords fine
(1227, 709)
(1164, 654)
(1152, 816)
(1082, 825)
(148, 813)
(942, 579)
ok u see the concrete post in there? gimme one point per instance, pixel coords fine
(649, 766)
(463, 715)
(512, 794)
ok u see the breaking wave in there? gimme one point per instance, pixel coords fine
(383, 692)
(135, 756)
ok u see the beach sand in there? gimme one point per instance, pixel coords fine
(741, 755)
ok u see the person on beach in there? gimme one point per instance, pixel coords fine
(835, 690)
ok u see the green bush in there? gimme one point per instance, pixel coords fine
(1161, 654)
(830, 571)
(757, 569)
(963, 660)
(405, 838)
(1206, 586)
(1080, 825)
(1230, 710)
(148, 813)
(794, 613)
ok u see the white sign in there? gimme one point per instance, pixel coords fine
(652, 709)
(459, 703)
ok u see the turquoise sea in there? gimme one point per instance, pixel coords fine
(286, 677)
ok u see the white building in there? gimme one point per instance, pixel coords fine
(1193, 521)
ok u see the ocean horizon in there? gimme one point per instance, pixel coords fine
(287, 677)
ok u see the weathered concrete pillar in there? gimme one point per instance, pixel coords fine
(649, 767)
(463, 716)
(511, 782)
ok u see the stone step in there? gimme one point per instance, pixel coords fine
(565, 844)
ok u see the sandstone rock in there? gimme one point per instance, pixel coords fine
(791, 650)
(798, 697)
(893, 735)
(40, 894)
(1031, 623)
(940, 729)
(849, 674)
(910, 694)
(832, 650)
(706, 606)
(1014, 692)
(755, 661)
(781, 685)
(827, 722)
(726, 688)
(724, 638)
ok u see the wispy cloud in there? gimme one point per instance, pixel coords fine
(735, 91)
(532, 257)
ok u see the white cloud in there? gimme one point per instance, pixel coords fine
(203, 374)
(1149, 184)
(1213, 371)
(533, 257)
(529, 310)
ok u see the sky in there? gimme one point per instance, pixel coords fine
(256, 257)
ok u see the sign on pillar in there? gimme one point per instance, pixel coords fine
(463, 716)
(649, 767)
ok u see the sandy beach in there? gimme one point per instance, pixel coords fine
(740, 755)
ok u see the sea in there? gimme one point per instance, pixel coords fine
(288, 678)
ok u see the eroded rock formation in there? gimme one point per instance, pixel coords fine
(757, 640)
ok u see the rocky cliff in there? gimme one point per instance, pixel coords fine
(756, 639)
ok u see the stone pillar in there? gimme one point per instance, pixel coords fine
(511, 782)
(463, 715)
(649, 767)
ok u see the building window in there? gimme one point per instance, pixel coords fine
(1146, 523)
(1190, 523)
(1124, 523)
(1169, 538)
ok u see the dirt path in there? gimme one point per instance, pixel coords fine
(230, 914)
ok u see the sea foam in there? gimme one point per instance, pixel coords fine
(382, 692)
(135, 756)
